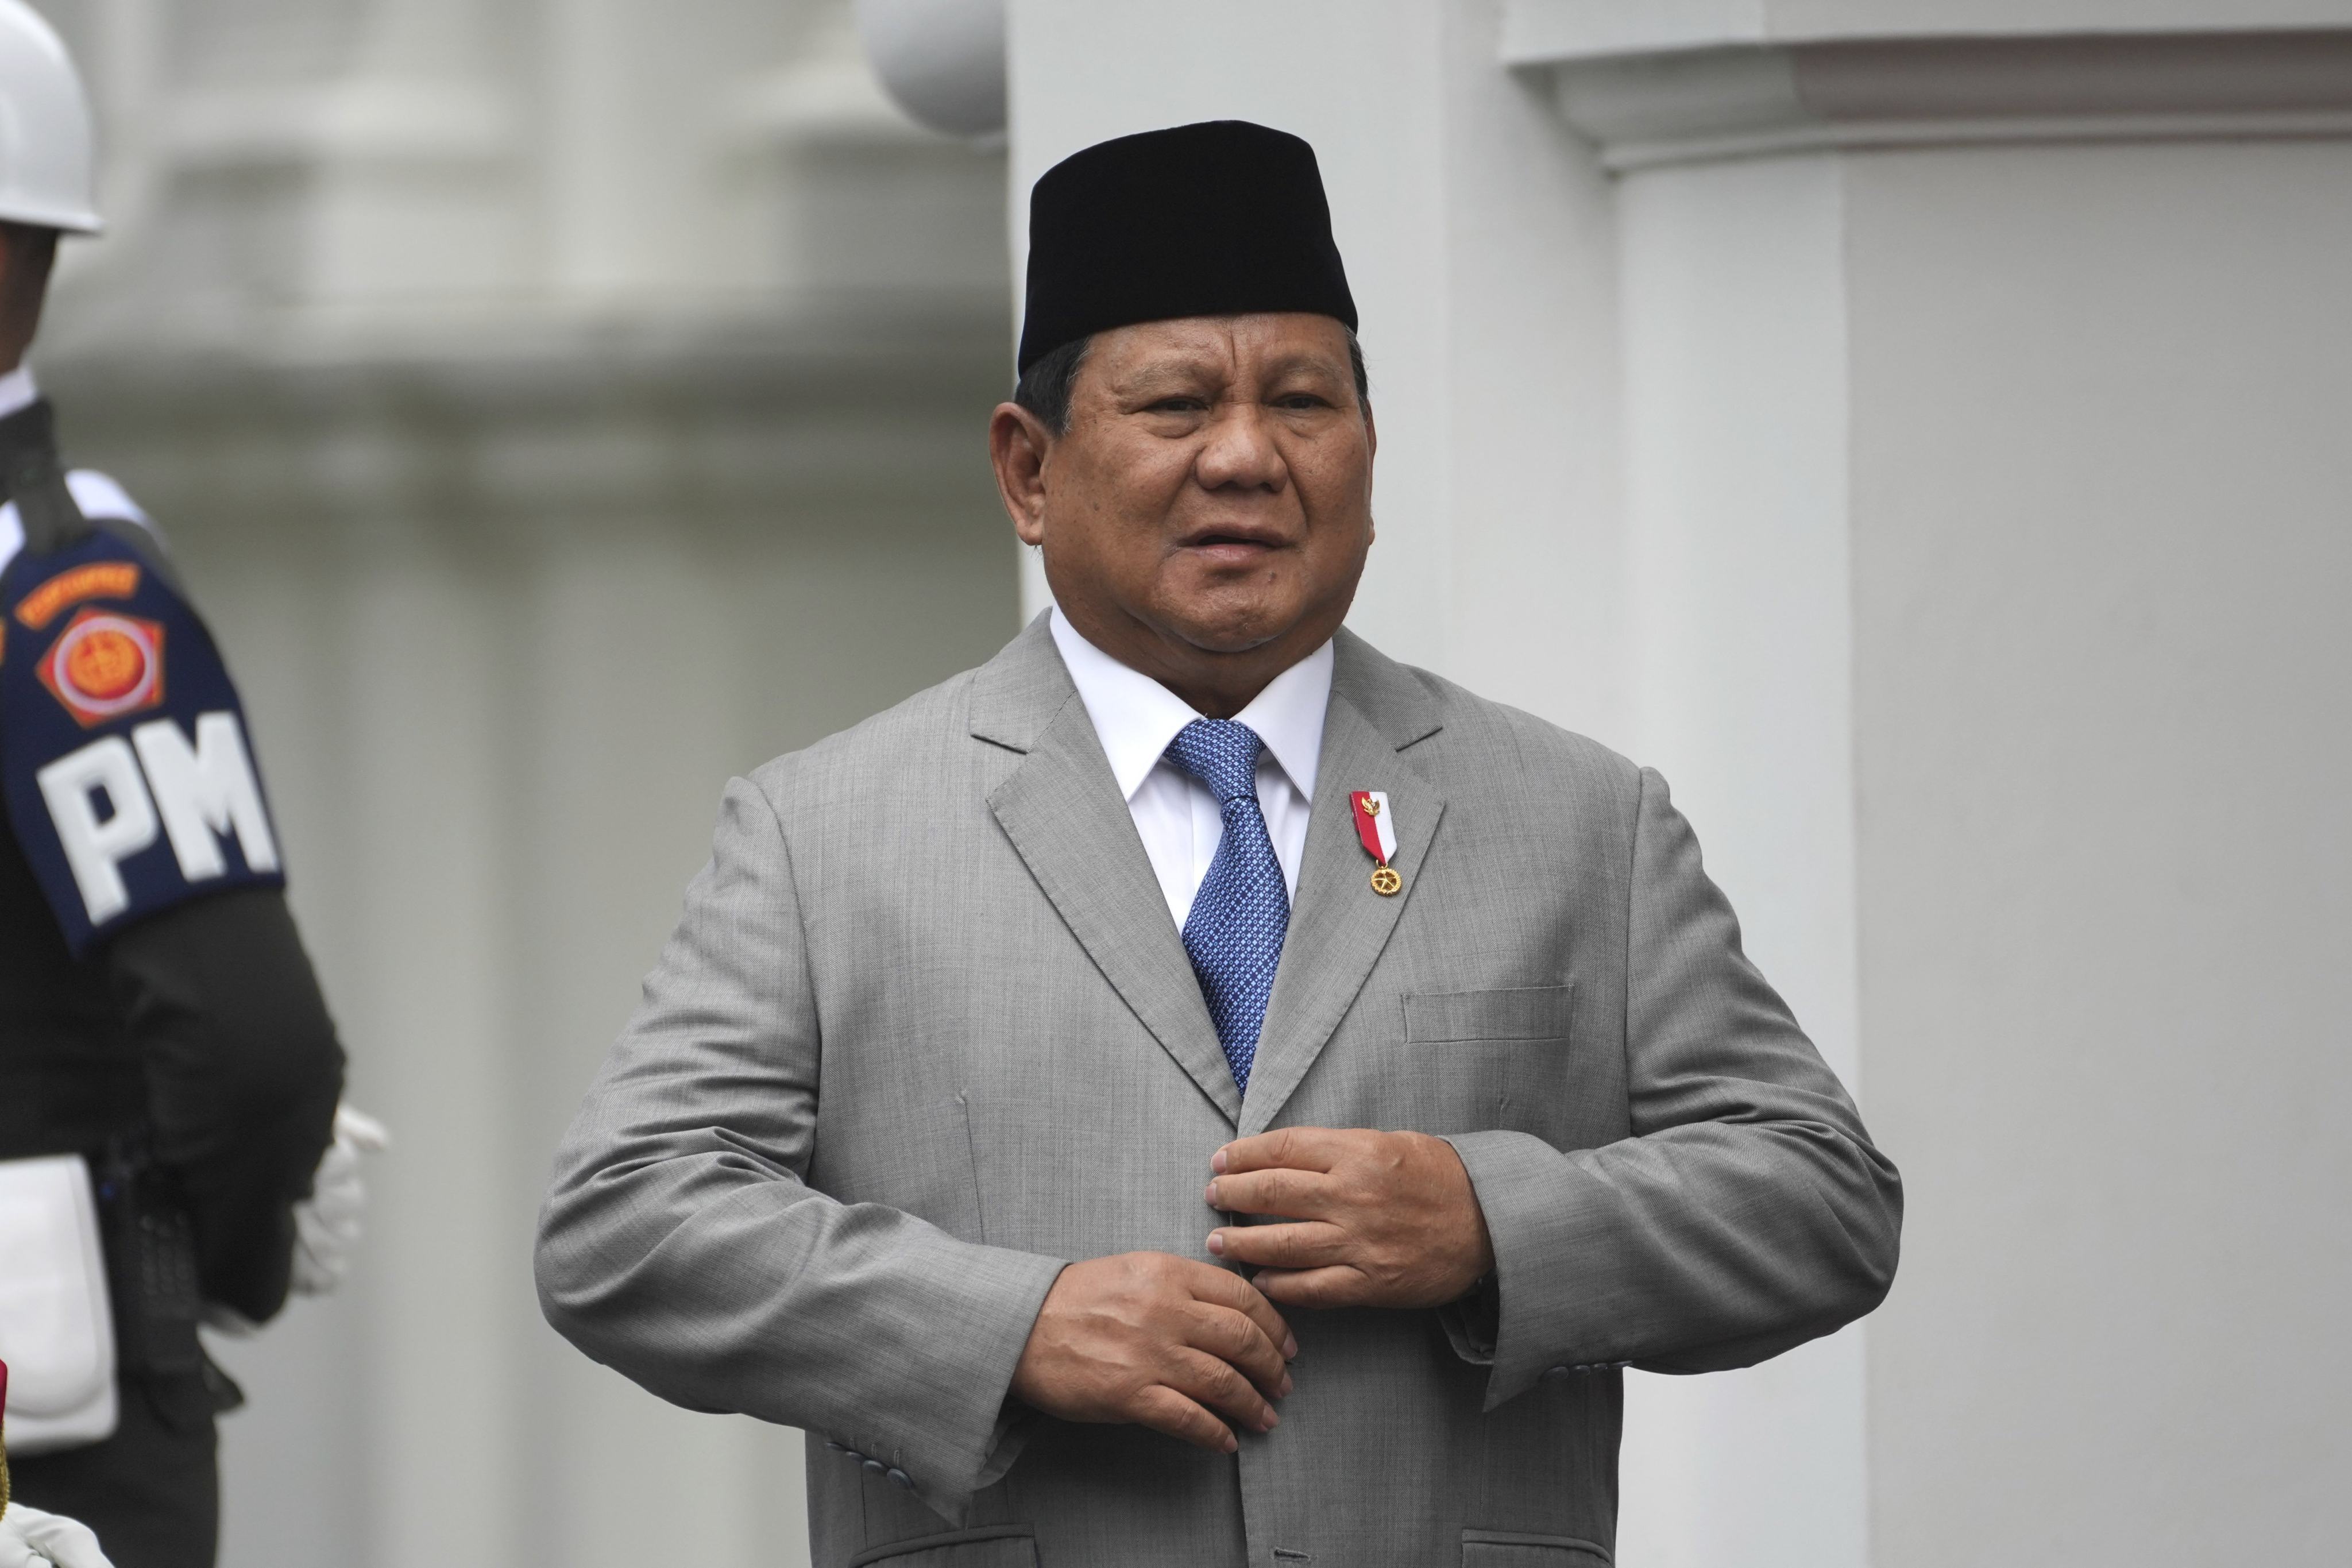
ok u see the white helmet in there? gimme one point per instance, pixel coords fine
(45, 156)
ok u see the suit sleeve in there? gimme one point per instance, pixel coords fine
(1747, 1214)
(681, 1244)
(243, 1074)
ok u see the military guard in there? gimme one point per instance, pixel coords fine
(169, 1076)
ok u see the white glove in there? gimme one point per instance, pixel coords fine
(31, 1539)
(327, 1225)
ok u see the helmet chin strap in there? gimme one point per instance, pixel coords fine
(31, 476)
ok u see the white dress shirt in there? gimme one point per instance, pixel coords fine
(1136, 717)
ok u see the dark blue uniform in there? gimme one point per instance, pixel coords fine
(157, 1012)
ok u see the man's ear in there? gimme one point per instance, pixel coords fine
(1018, 444)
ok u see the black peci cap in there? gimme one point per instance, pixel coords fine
(1215, 219)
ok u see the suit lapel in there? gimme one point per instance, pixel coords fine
(1062, 810)
(1338, 925)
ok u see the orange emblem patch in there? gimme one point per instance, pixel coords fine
(98, 580)
(104, 665)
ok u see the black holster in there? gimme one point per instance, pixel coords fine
(150, 1270)
(151, 1265)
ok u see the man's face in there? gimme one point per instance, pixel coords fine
(1207, 514)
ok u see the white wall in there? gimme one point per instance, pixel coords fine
(2103, 740)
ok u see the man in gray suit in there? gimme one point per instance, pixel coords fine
(1193, 1090)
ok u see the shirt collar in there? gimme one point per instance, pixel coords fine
(17, 391)
(1136, 717)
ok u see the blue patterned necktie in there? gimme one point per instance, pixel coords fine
(1243, 911)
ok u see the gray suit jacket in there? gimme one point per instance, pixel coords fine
(925, 1031)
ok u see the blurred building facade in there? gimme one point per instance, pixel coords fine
(558, 408)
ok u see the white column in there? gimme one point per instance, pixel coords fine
(1739, 658)
(368, 155)
(429, 801)
(629, 739)
(638, 109)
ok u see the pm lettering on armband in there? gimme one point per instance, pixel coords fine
(112, 799)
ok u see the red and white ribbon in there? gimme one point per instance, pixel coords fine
(1375, 824)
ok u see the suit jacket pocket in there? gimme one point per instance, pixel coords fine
(1521, 1012)
(995, 1546)
(1502, 1548)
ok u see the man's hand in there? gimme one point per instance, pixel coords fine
(1382, 1219)
(1158, 1341)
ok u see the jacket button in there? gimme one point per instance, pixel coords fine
(834, 1447)
(876, 1465)
(902, 1480)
